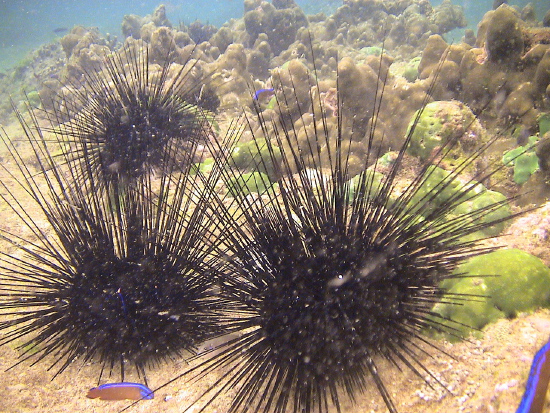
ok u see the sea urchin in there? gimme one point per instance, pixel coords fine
(126, 277)
(121, 118)
(331, 273)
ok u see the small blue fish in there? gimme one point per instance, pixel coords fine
(121, 391)
(60, 30)
(537, 383)
(264, 93)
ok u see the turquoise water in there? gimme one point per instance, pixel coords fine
(28, 24)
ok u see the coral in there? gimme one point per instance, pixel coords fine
(365, 22)
(520, 104)
(131, 26)
(505, 75)
(356, 83)
(543, 153)
(201, 32)
(542, 74)
(435, 48)
(508, 282)
(544, 123)
(258, 58)
(142, 27)
(159, 17)
(477, 199)
(442, 122)
(230, 77)
(222, 38)
(410, 71)
(524, 160)
(473, 209)
(246, 183)
(253, 155)
(163, 45)
(293, 76)
(280, 21)
(447, 17)
(504, 38)
(78, 39)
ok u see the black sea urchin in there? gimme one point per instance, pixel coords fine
(122, 115)
(330, 274)
(125, 277)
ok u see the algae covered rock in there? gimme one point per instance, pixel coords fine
(508, 281)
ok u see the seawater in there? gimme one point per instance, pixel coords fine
(27, 24)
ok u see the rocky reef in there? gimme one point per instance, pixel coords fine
(501, 73)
